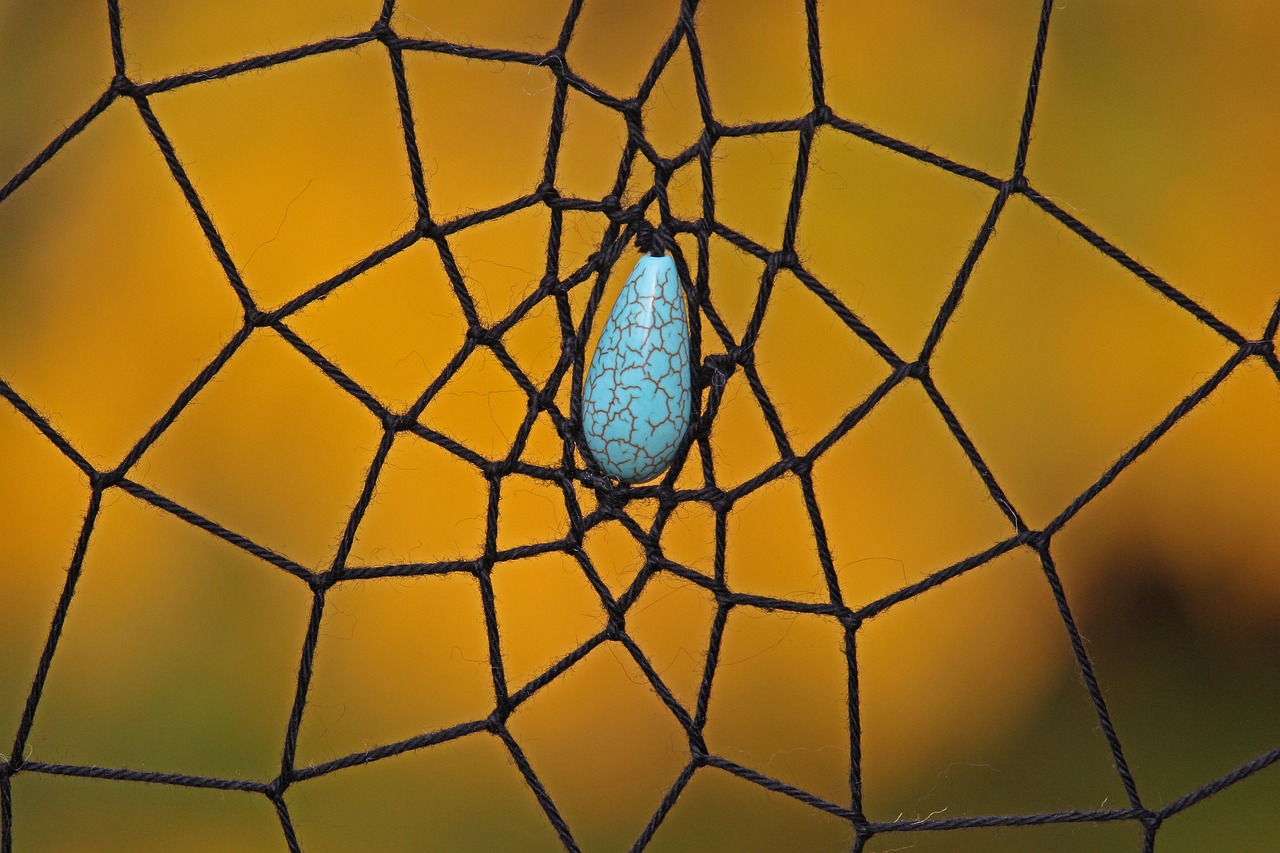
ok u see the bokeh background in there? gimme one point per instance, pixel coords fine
(1157, 126)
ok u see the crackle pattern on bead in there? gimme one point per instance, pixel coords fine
(635, 404)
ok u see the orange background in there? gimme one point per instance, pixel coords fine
(1157, 126)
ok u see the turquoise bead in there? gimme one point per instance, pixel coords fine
(635, 404)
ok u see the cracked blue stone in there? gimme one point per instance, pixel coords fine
(635, 404)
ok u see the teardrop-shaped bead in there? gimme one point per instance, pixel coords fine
(635, 404)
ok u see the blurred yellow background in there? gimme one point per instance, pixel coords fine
(1157, 126)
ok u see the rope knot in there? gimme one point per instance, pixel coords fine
(106, 479)
(499, 468)
(1259, 348)
(918, 369)
(1036, 540)
(654, 240)
(547, 191)
(784, 259)
(717, 368)
(617, 623)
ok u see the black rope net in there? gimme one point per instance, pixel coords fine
(645, 219)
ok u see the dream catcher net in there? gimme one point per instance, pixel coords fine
(661, 199)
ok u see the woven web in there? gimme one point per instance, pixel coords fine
(648, 222)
